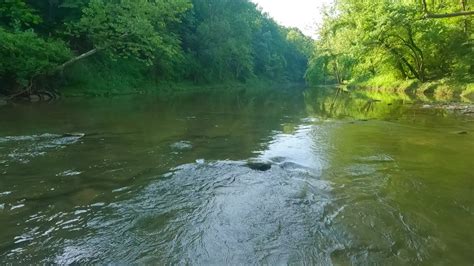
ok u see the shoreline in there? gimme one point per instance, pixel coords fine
(454, 102)
(439, 90)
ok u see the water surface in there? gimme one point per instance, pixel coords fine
(352, 180)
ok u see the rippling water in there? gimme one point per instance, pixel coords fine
(349, 181)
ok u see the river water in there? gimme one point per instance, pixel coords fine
(168, 181)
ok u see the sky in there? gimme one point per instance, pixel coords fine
(303, 14)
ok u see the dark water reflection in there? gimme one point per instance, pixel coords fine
(352, 181)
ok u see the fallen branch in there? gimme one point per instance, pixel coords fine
(85, 55)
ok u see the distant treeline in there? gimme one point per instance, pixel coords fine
(56, 43)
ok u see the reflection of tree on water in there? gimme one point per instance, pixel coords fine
(333, 102)
(369, 106)
(336, 96)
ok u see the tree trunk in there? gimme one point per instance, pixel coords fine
(425, 7)
(421, 59)
(336, 72)
(75, 59)
(402, 70)
(464, 9)
(403, 61)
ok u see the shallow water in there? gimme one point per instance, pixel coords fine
(352, 181)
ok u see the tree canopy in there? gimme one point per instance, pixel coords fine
(200, 40)
(395, 40)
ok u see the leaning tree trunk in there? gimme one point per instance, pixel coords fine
(75, 59)
(30, 88)
(466, 22)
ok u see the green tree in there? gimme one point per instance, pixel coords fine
(127, 28)
(394, 39)
(211, 41)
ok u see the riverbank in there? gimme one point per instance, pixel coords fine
(433, 95)
(169, 89)
(164, 90)
(454, 102)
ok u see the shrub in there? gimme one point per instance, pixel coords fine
(25, 56)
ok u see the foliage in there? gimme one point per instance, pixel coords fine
(391, 43)
(25, 56)
(101, 76)
(205, 41)
(132, 28)
(17, 14)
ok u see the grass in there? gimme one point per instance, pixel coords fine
(443, 93)
(468, 92)
(97, 77)
(386, 83)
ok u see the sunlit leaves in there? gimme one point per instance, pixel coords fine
(390, 37)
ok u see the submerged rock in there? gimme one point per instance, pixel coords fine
(34, 98)
(259, 165)
(46, 97)
(181, 145)
(3, 102)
